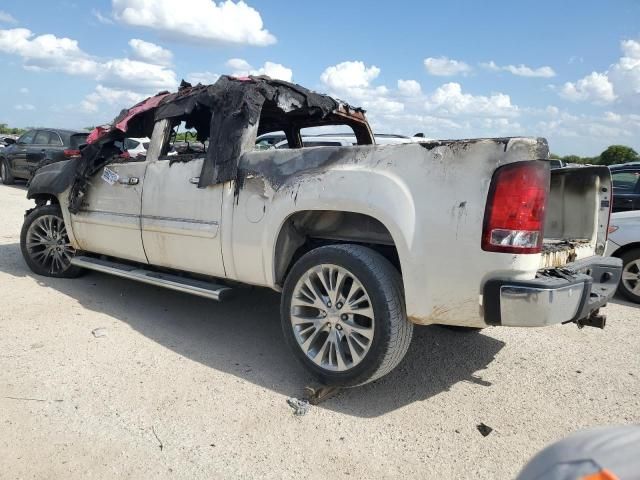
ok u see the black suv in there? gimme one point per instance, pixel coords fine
(626, 186)
(37, 148)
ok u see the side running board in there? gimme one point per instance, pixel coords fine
(173, 282)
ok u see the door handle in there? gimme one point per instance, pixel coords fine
(194, 180)
(129, 181)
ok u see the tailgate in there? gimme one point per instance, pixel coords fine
(577, 215)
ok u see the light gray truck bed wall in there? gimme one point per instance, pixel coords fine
(430, 197)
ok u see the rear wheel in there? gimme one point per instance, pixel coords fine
(45, 244)
(5, 173)
(343, 314)
(630, 282)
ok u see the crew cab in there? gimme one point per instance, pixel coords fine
(363, 241)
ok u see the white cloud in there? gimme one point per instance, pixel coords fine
(449, 99)
(620, 83)
(140, 76)
(24, 90)
(595, 88)
(205, 78)
(101, 18)
(47, 52)
(238, 65)
(203, 21)
(109, 97)
(7, 18)
(349, 75)
(409, 88)
(24, 106)
(625, 74)
(242, 68)
(150, 52)
(275, 70)
(444, 67)
(521, 70)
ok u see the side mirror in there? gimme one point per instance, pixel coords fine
(9, 141)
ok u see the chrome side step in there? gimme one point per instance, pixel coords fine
(173, 282)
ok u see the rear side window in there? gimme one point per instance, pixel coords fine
(625, 181)
(77, 140)
(54, 139)
(42, 138)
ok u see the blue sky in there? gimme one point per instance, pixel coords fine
(566, 70)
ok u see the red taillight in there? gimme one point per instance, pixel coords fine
(514, 217)
(71, 153)
(125, 155)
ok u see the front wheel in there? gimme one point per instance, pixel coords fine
(343, 314)
(45, 244)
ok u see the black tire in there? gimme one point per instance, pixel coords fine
(59, 270)
(391, 329)
(5, 173)
(627, 260)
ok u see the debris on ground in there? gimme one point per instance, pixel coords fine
(300, 407)
(99, 332)
(484, 429)
(161, 445)
(318, 393)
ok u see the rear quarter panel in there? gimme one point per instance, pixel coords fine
(430, 196)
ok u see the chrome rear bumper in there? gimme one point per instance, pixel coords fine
(572, 293)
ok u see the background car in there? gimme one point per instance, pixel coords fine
(624, 243)
(626, 186)
(37, 148)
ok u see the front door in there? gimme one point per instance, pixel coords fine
(17, 158)
(109, 219)
(180, 222)
(626, 190)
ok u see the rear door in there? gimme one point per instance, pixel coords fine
(180, 222)
(626, 189)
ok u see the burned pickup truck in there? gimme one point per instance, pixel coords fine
(363, 241)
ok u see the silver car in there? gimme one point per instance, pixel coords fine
(624, 243)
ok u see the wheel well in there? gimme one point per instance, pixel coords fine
(303, 231)
(45, 199)
(625, 248)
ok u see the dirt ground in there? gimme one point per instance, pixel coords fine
(106, 378)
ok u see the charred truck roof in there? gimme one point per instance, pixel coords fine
(230, 113)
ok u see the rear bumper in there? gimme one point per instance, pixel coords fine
(569, 294)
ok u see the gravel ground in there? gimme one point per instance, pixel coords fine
(174, 386)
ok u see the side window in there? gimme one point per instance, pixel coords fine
(130, 144)
(42, 138)
(54, 139)
(27, 138)
(183, 144)
(625, 182)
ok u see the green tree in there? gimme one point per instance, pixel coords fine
(618, 154)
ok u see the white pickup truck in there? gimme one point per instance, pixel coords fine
(363, 241)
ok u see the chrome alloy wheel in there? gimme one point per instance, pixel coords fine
(631, 276)
(332, 317)
(48, 244)
(3, 171)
